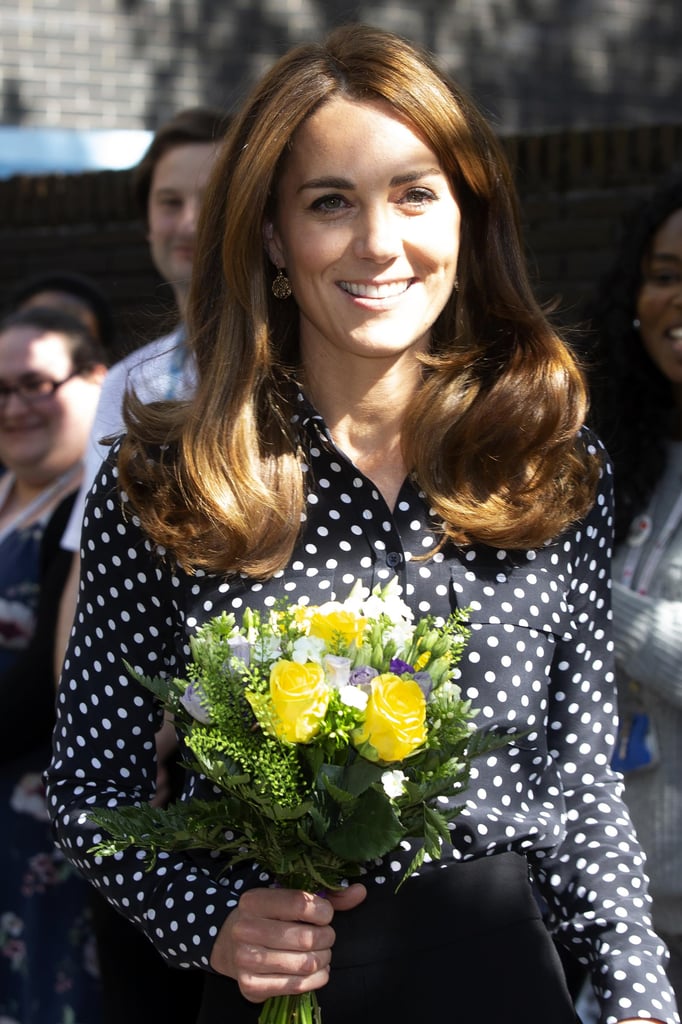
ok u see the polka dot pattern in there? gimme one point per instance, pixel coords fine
(538, 662)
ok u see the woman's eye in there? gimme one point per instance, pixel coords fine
(419, 196)
(329, 204)
(663, 278)
(37, 387)
(170, 203)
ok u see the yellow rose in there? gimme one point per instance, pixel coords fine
(395, 719)
(331, 619)
(300, 697)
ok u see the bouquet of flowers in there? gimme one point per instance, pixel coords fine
(332, 731)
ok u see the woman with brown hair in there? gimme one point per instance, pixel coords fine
(378, 395)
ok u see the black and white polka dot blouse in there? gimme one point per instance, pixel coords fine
(539, 658)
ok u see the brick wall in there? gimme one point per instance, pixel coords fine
(535, 65)
(575, 188)
(86, 223)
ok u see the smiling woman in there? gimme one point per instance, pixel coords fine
(50, 371)
(371, 250)
(367, 228)
(638, 323)
(50, 375)
(379, 397)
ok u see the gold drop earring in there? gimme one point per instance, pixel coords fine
(281, 288)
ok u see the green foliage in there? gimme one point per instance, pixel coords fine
(314, 813)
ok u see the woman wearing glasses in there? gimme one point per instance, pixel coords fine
(51, 370)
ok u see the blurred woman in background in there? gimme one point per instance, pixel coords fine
(51, 369)
(638, 406)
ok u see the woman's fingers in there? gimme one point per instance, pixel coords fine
(279, 941)
(276, 941)
(346, 899)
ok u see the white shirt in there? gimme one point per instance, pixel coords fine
(155, 371)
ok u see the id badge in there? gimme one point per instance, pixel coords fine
(636, 747)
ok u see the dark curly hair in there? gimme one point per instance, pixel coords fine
(632, 399)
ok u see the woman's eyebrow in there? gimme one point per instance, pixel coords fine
(345, 183)
(667, 257)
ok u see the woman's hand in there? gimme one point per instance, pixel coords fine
(279, 941)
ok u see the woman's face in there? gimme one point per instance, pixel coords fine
(42, 438)
(659, 303)
(367, 228)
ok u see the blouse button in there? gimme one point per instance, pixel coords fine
(393, 558)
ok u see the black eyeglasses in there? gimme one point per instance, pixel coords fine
(35, 389)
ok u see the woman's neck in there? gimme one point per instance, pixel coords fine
(23, 492)
(366, 424)
(18, 498)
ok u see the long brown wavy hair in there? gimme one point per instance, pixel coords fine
(492, 434)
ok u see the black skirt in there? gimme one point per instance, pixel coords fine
(457, 940)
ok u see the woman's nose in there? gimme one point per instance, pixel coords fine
(378, 237)
(189, 216)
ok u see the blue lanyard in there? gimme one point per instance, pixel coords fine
(176, 370)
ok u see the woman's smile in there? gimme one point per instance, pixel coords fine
(367, 229)
(378, 290)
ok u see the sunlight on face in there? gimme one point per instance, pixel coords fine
(178, 184)
(367, 228)
(42, 439)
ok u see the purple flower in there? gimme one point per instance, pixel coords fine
(400, 667)
(425, 682)
(362, 675)
(240, 648)
(195, 702)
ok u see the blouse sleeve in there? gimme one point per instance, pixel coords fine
(648, 636)
(593, 880)
(103, 746)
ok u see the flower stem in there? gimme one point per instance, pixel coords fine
(296, 1009)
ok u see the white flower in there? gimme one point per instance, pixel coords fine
(307, 648)
(383, 600)
(11, 924)
(355, 602)
(354, 697)
(28, 797)
(450, 690)
(393, 783)
(336, 669)
(387, 601)
(265, 650)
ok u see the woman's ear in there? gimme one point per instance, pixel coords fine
(273, 245)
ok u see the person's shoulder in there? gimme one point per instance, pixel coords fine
(144, 367)
(594, 448)
(159, 350)
(589, 438)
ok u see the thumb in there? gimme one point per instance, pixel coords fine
(346, 899)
